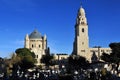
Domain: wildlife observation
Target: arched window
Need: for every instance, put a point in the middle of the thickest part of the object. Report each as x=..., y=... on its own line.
x=82, y=43
x=83, y=30
x=82, y=22
x=36, y=56
x=32, y=45
x=39, y=46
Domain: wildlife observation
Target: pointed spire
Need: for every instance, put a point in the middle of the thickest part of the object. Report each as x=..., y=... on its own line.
x=81, y=18
x=80, y=4
x=81, y=9
x=45, y=37
x=26, y=37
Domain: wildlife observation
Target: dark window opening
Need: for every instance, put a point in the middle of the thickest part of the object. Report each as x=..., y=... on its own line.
x=82, y=43
x=39, y=46
x=82, y=50
x=82, y=22
x=83, y=30
x=32, y=46
x=37, y=56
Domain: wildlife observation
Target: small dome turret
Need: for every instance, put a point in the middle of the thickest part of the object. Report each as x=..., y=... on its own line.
x=82, y=10
x=45, y=37
x=26, y=37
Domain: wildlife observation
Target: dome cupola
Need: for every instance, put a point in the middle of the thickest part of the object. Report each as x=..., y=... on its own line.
x=35, y=35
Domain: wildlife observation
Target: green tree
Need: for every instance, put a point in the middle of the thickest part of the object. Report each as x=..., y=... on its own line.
x=105, y=57
x=22, y=52
x=10, y=64
x=27, y=58
x=48, y=51
x=47, y=60
x=114, y=56
x=15, y=59
x=78, y=62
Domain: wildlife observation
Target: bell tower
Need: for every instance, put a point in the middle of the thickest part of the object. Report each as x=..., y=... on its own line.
x=81, y=41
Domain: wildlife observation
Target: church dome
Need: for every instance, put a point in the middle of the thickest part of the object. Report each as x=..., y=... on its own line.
x=82, y=10
x=35, y=35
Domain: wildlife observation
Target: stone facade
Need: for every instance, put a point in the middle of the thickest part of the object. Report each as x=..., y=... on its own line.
x=61, y=56
x=37, y=44
x=61, y=60
x=81, y=41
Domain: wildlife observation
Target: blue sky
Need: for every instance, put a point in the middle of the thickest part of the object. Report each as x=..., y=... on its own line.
x=56, y=19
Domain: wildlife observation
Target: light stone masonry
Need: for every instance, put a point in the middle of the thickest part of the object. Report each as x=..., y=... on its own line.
x=81, y=41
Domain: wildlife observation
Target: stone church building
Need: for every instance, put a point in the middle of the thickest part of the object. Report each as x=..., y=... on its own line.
x=37, y=44
x=81, y=40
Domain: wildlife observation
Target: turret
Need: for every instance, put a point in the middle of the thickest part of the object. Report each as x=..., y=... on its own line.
x=45, y=37
x=81, y=18
x=45, y=42
x=27, y=41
